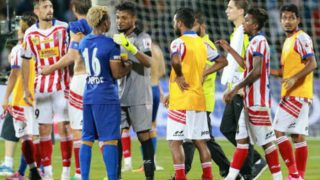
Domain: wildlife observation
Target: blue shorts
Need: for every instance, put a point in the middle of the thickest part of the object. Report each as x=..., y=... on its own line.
x=101, y=121
x=156, y=101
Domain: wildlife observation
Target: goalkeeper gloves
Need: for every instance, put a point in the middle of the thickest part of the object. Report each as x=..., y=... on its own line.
x=123, y=41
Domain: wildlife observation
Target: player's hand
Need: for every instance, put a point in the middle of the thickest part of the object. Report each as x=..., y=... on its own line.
x=165, y=101
x=204, y=77
x=224, y=44
x=124, y=42
x=289, y=82
x=5, y=104
x=183, y=85
x=227, y=97
x=46, y=70
x=28, y=97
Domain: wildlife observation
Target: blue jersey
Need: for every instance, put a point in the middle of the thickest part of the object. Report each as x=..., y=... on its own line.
x=80, y=26
x=97, y=52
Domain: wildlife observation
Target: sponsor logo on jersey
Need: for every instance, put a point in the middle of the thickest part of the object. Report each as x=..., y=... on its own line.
x=49, y=53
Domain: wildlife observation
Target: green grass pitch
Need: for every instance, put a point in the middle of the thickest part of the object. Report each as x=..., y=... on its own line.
x=164, y=159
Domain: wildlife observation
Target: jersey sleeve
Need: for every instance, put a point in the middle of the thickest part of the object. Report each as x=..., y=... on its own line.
x=143, y=43
x=177, y=47
x=303, y=46
x=15, y=58
x=115, y=53
x=259, y=45
x=25, y=50
x=213, y=54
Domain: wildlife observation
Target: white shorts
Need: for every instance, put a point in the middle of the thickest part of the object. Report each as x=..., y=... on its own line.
x=24, y=121
x=292, y=116
x=256, y=123
x=51, y=107
x=75, y=101
x=187, y=125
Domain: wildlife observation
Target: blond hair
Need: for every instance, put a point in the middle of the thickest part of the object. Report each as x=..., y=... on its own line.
x=96, y=15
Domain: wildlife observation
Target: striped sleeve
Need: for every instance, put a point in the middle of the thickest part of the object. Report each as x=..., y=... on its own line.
x=259, y=46
x=14, y=57
x=177, y=47
x=213, y=54
x=303, y=46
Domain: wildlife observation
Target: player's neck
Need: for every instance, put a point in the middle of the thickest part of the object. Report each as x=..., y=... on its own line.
x=238, y=22
x=129, y=31
x=81, y=16
x=45, y=24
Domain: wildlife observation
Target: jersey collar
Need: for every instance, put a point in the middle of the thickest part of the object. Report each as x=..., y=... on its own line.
x=53, y=23
x=259, y=33
x=189, y=32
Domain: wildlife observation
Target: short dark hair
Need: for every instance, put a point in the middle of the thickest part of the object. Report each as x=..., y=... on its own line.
x=81, y=6
x=198, y=15
x=186, y=16
x=291, y=8
x=260, y=16
x=27, y=20
x=127, y=6
x=241, y=4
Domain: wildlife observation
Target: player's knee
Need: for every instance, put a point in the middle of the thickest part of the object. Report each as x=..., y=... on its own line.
x=243, y=141
x=111, y=142
x=279, y=133
x=26, y=137
x=143, y=135
x=297, y=138
x=153, y=133
x=88, y=143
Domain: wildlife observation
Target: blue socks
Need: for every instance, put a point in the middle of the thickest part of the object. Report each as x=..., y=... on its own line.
x=85, y=161
x=110, y=157
x=22, y=166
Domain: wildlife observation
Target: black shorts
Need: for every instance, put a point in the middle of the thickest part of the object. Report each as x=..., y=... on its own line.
x=8, y=132
x=231, y=114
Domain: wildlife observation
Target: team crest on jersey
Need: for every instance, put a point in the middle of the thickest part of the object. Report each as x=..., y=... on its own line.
x=35, y=40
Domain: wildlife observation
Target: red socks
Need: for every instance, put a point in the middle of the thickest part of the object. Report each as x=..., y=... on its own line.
x=301, y=155
x=180, y=172
x=37, y=152
x=76, y=149
x=46, y=150
x=207, y=171
x=273, y=159
x=286, y=152
x=240, y=156
x=27, y=150
x=126, y=144
x=66, y=150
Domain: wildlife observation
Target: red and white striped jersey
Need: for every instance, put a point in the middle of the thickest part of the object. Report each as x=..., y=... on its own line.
x=258, y=93
x=47, y=46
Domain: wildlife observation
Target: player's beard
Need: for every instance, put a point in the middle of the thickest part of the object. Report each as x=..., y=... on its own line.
x=123, y=30
x=48, y=18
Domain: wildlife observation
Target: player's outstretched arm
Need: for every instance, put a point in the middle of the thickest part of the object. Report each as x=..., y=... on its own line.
x=120, y=68
x=67, y=59
x=225, y=45
x=220, y=63
x=310, y=65
x=123, y=41
x=253, y=75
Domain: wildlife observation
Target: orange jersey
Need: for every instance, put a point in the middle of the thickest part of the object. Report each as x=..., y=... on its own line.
x=16, y=63
x=193, y=52
x=295, y=50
